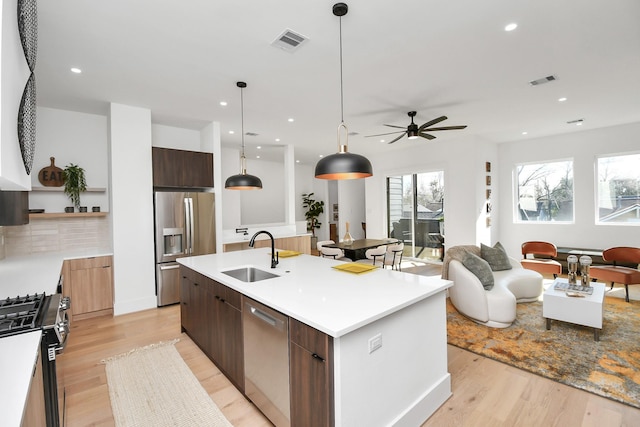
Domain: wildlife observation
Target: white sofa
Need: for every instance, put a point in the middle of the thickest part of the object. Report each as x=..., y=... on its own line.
x=496, y=307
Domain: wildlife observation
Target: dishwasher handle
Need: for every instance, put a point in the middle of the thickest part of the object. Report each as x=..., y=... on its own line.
x=267, y=318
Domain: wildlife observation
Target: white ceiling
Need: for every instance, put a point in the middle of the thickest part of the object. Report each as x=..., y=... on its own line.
x=453, y=58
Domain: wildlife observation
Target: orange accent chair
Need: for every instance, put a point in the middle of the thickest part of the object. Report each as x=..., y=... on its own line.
x=541, y=265
x=615, y=273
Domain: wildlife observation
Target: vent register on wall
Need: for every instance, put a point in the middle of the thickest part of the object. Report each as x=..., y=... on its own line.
x=184, y=214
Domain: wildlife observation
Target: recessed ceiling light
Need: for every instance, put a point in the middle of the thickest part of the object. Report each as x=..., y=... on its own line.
x=382, y=140
x=257, y=157
x=579, y=123
x=223, y=103
x=321, y=155
x=231, y=132
x=290, y=120
x=76, y=70
x=511, y=27
x=277, y=139
x=525, y=132
x=562, y=99
x=259, y=147
x=297, y=161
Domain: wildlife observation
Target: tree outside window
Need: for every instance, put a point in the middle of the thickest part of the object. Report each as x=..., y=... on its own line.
x=545, y=192
x=618, y=191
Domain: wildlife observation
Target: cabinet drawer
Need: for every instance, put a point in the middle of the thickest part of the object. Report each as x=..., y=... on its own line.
x=309, y=338
x=93, y=262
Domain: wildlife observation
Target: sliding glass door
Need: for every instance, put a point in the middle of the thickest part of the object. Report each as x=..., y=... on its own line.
x=415, y=213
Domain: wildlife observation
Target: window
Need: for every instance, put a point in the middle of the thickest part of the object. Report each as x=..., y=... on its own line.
x=414, y=210
x=618, y=190
x=544, y=192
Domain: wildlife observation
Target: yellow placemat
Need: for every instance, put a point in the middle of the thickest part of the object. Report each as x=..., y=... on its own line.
x=355, y=267
x=285, y=254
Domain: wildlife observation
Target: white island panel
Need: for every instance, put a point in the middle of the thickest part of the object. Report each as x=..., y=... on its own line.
x=405, y=380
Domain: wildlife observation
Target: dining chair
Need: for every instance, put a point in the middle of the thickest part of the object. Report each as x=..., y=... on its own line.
x=541, y=265
x=323, y=243
x=394, y=256
x=615, y=273
x=335, y=253
x=375, y=256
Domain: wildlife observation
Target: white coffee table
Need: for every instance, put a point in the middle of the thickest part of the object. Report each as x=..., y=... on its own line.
x=585, y=311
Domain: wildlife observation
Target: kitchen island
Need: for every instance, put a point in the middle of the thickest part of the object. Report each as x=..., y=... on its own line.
x=386, y=329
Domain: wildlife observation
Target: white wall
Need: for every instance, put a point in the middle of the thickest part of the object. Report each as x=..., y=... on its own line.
x=351, y=207
x=583, y=147
x=77, y=138
x=177, y=138
x=131, y=182
x=266, y=206
x=14, y=73
x=463, y=162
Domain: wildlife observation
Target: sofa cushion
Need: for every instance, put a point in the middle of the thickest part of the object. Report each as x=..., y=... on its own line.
x=496, y=256
x=480, y=268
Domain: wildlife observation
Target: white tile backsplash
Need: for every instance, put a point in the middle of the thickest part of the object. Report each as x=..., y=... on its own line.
x=56, y=235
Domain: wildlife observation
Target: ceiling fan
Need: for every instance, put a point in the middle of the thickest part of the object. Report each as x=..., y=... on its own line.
x=413, y=131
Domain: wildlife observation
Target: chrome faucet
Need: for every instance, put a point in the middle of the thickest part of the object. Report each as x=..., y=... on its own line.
x=274, y=258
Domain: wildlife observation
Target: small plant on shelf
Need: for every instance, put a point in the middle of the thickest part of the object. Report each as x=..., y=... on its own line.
x=74, y=183
x=314, y=209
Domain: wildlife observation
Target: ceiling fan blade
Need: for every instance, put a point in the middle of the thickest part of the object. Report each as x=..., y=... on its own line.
x=399, y=127
x=426, y=135
x=445, y=128
x=432, y=122
x=391, y=142
x=382, y=134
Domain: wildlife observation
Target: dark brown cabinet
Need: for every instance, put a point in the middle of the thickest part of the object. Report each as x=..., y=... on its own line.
x=181, y=168
x=311, y=373
x=211, y=315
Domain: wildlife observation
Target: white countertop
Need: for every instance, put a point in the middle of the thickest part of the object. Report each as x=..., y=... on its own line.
x=15, y=372
x=309, y=290
x=38, y=272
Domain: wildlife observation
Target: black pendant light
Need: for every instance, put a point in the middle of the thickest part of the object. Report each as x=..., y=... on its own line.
x=343, y=165
x=243, y=181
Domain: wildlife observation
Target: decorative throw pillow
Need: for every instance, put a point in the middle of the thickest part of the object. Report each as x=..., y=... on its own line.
x=496, y=256
x=480, y=268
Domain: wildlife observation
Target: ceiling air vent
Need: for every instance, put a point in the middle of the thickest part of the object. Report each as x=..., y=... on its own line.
x=575, y=122
x=289, y=40
x=251, y=134
x=542, y=80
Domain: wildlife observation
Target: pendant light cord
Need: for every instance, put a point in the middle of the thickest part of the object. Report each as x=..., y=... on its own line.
x=341, y=83
x=242, y=118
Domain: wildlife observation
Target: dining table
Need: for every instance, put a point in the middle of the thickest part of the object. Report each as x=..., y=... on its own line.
x=357, y=248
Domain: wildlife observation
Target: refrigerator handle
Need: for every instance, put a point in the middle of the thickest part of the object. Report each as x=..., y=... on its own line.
x=187, y=226
x=189, y=222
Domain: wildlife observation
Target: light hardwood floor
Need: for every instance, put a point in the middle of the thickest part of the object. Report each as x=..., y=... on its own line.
x=485, y=392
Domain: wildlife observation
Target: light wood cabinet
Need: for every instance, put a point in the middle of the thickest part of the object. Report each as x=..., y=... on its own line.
x=34, y=411
x=311, y=373
x=89, y=284
x=300, y=244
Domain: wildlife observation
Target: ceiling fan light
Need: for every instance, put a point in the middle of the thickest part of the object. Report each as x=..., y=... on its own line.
x=412, y=133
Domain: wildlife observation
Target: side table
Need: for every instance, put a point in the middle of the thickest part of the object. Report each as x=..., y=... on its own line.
x=586, y=310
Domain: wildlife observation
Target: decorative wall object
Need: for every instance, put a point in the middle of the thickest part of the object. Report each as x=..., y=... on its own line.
x=51, y=176
x=487, y=166
x=487, y=169
x=28, y=29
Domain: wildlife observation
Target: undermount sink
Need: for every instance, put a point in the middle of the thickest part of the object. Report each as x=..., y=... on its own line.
x=250, y=274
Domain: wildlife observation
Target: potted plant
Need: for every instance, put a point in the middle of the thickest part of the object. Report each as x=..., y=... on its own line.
x=74, y=183
x=314, y=209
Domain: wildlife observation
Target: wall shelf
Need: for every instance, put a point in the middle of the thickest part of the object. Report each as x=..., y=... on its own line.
x=66, y=215
x=61, y=189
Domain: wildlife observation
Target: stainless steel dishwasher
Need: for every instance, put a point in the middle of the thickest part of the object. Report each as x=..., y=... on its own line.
x=266, y=360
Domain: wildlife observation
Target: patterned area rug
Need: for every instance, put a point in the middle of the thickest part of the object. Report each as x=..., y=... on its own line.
x=567, y=353
x=153, y=386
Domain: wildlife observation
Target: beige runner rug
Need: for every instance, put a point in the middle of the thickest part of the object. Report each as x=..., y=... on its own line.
x=153, y=386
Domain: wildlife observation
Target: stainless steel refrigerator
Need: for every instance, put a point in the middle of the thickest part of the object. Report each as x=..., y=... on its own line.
x=184, y=226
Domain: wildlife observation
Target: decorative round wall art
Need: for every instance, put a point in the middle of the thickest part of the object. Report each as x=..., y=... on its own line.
x=27, y=123
x=28, y=29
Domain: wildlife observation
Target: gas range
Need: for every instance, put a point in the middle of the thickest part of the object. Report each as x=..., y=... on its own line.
x=28, y=313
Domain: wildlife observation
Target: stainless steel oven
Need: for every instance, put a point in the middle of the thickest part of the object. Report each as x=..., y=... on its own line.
x=47, y=312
